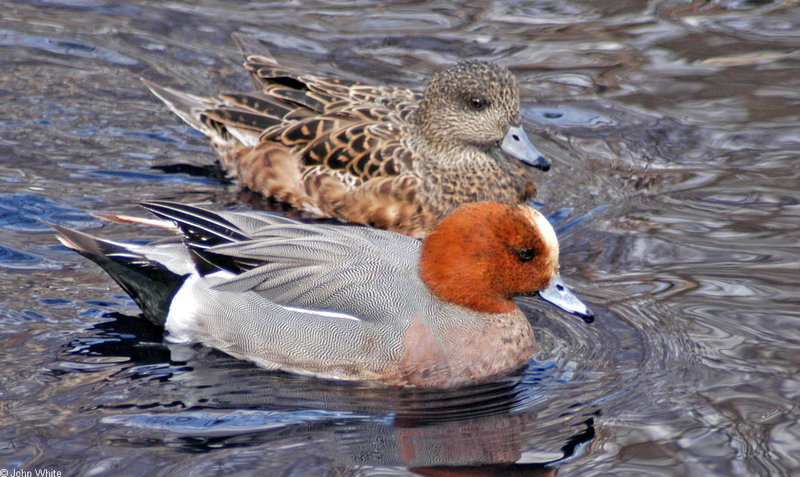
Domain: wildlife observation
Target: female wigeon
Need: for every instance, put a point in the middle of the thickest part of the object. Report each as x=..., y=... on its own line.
x=383, y=156
x=345, y=302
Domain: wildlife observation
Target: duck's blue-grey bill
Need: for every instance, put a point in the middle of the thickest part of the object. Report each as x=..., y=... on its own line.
x=559, y=295
x=518, y=145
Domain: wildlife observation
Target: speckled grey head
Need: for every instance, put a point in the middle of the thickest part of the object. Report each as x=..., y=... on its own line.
x=473, y=101
x=476, y=102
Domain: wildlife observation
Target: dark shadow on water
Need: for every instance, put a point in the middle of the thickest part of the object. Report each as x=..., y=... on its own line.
x=131, y=337
x=213, y=171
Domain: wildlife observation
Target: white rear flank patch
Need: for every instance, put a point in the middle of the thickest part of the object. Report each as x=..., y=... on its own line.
x=181, y=323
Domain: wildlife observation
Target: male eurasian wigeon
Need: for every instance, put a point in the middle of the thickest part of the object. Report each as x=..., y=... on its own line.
x=384, y=156
x=345, y=301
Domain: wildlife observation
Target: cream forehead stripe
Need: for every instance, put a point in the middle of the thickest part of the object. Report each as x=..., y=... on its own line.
x=540, y=222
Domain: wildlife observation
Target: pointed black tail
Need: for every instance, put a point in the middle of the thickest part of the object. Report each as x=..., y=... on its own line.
x=151, y=285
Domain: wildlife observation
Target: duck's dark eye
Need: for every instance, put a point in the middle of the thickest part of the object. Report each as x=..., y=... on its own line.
x=526, y=254
x=477, y=103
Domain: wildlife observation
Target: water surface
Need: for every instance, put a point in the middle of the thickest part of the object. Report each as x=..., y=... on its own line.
x=674, y=130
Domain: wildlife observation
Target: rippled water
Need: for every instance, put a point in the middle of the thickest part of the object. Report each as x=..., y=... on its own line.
x=674, y=128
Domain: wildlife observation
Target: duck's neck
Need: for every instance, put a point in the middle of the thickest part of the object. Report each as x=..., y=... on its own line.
x=452, y=174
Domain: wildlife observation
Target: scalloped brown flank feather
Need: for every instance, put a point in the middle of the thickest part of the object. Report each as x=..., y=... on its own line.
x=383, y=156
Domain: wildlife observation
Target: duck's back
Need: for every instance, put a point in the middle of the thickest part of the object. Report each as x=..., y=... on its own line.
x=369, y=273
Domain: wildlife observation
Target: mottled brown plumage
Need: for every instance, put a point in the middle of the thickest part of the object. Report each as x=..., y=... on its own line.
x=383, y=156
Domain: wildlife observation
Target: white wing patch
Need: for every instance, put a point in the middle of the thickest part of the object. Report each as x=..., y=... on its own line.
x=246, y=138
x=329, y=314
